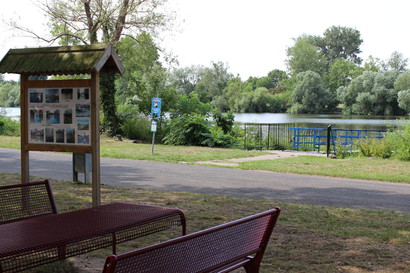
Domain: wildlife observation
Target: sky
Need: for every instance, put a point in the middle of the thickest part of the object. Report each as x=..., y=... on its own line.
x=251, y=37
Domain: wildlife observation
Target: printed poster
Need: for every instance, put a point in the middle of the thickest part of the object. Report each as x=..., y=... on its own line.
x=59, y=115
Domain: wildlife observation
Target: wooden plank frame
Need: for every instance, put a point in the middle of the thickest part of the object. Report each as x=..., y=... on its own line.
x=93, y=148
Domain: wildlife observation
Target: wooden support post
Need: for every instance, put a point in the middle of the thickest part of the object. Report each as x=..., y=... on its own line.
x=95, y=139
x=25, y=170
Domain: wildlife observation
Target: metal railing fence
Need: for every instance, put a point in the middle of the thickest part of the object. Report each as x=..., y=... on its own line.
x=267, y=136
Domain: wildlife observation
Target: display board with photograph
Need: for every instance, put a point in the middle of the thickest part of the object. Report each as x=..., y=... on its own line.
x=59, y=115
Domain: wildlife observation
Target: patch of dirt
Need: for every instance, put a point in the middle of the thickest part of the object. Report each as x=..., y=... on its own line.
x=88, y=264
x=233, y=162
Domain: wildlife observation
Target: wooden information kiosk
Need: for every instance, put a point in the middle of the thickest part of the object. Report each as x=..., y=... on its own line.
x=61, y=115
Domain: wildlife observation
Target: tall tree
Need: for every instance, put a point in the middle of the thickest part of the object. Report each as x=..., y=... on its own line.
x=139, y=57
x=272, y=80
x=402, y=82
x=213, y=80
x=373, y=64
x=185, y=79
x=106, y=21
x=372, y=93
x=341, y=42
x=310, y=96
x=341, y=72
x=9, y=94
x=144, y=78
x=404, y=100
x=396, y=62
x=305, y=56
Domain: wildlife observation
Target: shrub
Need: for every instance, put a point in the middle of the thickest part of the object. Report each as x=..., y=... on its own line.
x=343, y=151
x=9, y=127
x=187, y=130
x=400, y=141
x=217, y=138
x=137, y=128
x=373, y=147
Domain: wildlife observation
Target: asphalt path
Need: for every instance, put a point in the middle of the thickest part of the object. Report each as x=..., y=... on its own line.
x=306, y=189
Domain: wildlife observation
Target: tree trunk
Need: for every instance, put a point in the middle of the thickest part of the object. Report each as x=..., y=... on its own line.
x=107, y=95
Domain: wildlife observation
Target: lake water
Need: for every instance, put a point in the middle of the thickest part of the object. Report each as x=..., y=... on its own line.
x=306, y=121
x=323, y=121
x=14, y=113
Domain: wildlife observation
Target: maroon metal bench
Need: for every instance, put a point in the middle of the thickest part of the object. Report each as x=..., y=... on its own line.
x=23, y=201
x=236, y=244
x=33, y=233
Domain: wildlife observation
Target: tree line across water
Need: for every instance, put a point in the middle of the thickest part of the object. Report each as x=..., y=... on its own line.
x=324, y=75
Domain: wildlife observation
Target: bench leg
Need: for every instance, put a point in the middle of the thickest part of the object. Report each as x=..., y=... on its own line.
x=114, y=243
x=254, y=264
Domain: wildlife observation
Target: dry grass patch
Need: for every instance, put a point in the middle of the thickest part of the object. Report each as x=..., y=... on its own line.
x=307, y=238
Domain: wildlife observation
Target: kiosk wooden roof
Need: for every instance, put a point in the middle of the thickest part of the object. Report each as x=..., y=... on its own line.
x=62, y=60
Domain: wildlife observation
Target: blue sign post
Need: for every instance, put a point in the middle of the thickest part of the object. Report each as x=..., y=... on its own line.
x=156, y=108
x=155, y=113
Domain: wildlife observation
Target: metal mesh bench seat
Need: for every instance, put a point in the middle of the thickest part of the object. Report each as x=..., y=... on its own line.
x=236, y=244
x=47, y=237
x=24, y=201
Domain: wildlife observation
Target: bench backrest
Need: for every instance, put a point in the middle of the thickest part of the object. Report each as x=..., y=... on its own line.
x=26, y=200
x=203, y=251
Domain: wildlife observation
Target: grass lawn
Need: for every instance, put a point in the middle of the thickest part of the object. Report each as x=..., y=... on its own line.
x=307, y=238
x=358, y=168
x=164, y=153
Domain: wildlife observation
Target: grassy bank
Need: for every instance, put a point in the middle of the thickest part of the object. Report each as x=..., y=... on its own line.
x=164, y=153
x=307, y=238
x=359, y=168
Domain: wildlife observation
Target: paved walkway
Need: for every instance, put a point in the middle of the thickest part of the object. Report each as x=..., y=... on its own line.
x=307, y=189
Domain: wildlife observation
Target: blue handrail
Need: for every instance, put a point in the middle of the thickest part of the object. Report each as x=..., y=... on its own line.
x=314, y=138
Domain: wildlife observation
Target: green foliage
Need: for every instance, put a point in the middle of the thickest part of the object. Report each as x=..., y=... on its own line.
x=400, y=141
x=372, y=93
x=212, y=81
x=341, y=42
x=305, y=56
x=9, y=127
x=189, y=124
x=137, y=128
x=396, y=144
x=9, y=94
x=259, y=101
x=396, y=62
x=231, y=94
x=110, y=122
x=225, y=122
x=372, y=64
x=184, y=79
x=310, y=96
x=403, y=98
x=218, y=138
x=402, y=82
x=376, y=148
x=145, y=78
x=189, y=104
x=342, y=151
x=187, y=130
x=341, y=72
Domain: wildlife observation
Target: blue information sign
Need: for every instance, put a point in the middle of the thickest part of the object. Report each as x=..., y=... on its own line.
x=156, y=107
